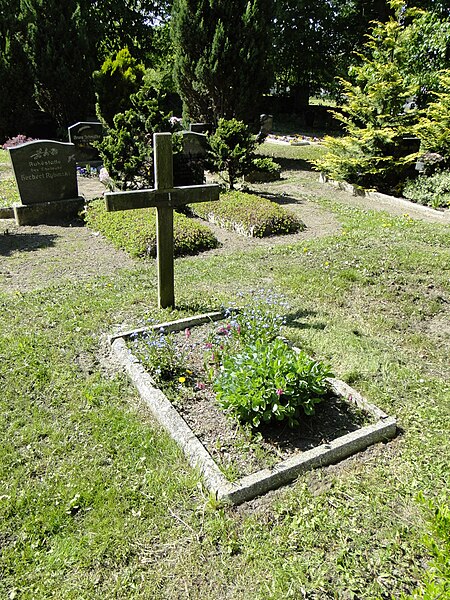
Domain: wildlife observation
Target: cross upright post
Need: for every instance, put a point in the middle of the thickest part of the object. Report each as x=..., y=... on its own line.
x=164, y=197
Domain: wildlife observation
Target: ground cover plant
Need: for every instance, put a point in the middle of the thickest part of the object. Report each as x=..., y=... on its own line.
x=96, y=501
x=432, y=190
x=248, y=214
x=135, y=231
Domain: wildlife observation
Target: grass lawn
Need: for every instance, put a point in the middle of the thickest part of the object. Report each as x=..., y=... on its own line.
x=97, y=502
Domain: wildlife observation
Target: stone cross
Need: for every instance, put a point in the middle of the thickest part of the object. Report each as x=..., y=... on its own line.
x=165, y=197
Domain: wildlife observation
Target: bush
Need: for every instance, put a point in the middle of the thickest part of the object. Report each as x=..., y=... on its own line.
x=135, y=231
x=118, y=79
x=264, y=169
x=270, y=382
x=249, y=215
x=126, y=149
x=232, y=148
x=432, y=191
x=434, y=128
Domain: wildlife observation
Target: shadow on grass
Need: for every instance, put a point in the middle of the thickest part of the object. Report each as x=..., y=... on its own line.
x=277, y=198
x=291, y=164
x=25, y=242
x=297, y=320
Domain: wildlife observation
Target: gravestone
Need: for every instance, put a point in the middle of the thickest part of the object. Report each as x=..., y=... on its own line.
x=201, y=127
x=165, y=197
x=266, y=124
x=82, y=135
x=46, y=176
x=189, y=165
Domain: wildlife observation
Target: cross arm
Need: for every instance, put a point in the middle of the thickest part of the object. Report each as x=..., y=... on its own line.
x=153, y=198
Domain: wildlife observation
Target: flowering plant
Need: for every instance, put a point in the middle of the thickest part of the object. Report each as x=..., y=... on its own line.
x=257, y=377
x=158, y=352
x=267, y=382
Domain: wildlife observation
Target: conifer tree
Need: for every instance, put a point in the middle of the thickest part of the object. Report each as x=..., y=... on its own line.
x=221, y=56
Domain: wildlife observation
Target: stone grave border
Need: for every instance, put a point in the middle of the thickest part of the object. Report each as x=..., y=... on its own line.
x=358, y=191
x=262, y=481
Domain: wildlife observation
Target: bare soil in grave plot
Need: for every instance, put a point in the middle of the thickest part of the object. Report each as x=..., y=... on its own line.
x=34, y=257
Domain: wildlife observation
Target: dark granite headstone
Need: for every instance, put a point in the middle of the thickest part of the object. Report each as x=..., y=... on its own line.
x=189, y=166
x=83, y=134
x=201, y=127
x=45, y=171
x=194, y=144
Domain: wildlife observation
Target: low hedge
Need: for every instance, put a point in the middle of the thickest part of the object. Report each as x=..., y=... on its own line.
x=135, y=230
x=249, y=215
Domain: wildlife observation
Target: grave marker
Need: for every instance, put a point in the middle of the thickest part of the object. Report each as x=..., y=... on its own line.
x=46, y=176
x=165, y=197
x=83, y=134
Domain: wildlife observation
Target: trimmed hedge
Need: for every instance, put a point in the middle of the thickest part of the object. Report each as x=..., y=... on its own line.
x=249, y=215
x=135, y=230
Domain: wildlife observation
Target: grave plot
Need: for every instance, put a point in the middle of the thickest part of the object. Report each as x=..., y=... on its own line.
x=345, y=423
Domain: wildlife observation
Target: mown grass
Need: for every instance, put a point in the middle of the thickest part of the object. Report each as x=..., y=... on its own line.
x=97, y=502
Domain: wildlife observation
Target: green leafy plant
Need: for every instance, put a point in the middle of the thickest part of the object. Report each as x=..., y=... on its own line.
x=268, y=382
x=118, y=79
x=373, y=153
x=249, y=214
x=135, y=231
x=264, y=169
x=257, y=377
x=433, y=190
x=232, y=148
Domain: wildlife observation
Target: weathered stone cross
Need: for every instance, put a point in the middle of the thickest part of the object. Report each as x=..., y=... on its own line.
x=165, y=198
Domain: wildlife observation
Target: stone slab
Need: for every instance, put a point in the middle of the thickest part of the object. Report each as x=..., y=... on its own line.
x=262, y=481
x=48, y=213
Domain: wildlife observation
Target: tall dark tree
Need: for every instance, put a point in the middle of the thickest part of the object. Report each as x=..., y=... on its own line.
x=63, y=59
x=314, y=41
x=221, y=56
x=16, y=101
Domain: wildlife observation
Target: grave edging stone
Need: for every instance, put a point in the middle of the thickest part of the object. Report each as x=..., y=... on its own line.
x=358, y=191
x=262, y=481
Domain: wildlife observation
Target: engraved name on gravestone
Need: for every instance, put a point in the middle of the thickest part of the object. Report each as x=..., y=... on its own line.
x=45, y=171
x=83, y=134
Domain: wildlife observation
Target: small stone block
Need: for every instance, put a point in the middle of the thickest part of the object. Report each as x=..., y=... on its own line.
x=49, y=213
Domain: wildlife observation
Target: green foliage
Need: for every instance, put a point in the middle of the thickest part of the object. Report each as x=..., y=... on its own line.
x=232, y=148
x=157, y=351
x=15, y=73
x=126, y=149
x=118, y=79
x=221, y=56
x=374, y=117
x=433, y=128
x=135, y=231
x=257, y=377
x=267, y=382
x=61, y=50
x=306, y=31
x=264, y=169
x=436, y=582
x=433, y=190
x=248, y=214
